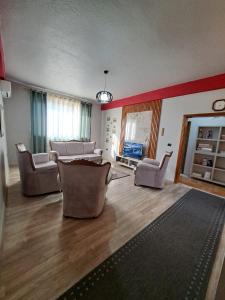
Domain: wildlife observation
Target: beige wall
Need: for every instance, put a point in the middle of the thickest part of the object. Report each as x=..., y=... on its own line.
x=17, y=118
x=3, y=173
x=17, y=111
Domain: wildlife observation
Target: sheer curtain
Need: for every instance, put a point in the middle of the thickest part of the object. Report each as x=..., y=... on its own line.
x=63, y=118
x=85, y=122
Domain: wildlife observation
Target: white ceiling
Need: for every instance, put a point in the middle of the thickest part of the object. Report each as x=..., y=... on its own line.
x=145, y=44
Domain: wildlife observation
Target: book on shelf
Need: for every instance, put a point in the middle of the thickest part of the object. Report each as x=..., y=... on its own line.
x=205, y=149
x=195, y=174
x=204, y=145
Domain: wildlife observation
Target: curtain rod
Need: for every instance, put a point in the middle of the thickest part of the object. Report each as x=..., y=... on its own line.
x=43, y=89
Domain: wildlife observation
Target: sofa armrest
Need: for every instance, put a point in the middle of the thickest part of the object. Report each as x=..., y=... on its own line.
x=98, y=151
x=54, y=155
x=151, y=161
x=40, y=158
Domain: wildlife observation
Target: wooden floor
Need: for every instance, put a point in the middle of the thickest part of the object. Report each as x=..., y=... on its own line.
x=202, y=185
x=44, y=254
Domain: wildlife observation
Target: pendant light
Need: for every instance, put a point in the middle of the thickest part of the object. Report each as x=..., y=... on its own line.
x=103, y=97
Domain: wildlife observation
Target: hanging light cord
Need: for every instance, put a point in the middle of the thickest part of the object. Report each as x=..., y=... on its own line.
x=105, y=83
x=105, y=72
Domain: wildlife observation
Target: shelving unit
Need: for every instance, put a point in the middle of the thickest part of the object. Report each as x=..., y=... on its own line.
x=209, y=156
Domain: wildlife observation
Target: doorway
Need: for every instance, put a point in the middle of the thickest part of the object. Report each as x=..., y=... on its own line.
x=201, y=157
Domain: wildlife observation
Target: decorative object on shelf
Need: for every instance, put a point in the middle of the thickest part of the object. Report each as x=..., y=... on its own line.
x=200, y=134
x=104, y=96
x=209, y=162
x=207, y=175
x=209, y=134
x=219, y=105
x=204, y=162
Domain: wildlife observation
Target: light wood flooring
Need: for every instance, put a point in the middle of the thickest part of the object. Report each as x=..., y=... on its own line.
x=44, y=254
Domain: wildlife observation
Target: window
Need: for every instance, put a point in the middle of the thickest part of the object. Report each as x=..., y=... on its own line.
x=63, y=118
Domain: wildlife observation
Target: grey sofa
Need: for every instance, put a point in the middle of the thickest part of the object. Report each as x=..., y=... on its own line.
x=84, y=186
x=71, y=150
x=38, y=174
x=151, y=172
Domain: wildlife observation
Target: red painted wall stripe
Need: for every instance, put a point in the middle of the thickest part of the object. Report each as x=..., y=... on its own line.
x=191, y=87
x=2, y=64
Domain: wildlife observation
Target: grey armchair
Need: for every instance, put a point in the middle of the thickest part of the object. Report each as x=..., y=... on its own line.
x=38, y=174
x=151, y=172
x=84, y=185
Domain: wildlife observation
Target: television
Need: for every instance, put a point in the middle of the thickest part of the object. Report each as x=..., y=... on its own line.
x=134, y=150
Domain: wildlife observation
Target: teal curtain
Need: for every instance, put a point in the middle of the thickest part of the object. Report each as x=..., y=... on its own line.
x=38, y=121
x=85, y=121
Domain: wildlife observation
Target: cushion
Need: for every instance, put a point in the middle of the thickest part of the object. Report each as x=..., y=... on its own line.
x=69, y=157
x=48, y=165
x=92, y=157
x=60, y=147
x=89, y=147
x=39, y=158
x=74, y=148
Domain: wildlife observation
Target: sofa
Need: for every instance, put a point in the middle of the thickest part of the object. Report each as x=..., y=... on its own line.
x=84, y=185
x=73, y=150
x=38, y=174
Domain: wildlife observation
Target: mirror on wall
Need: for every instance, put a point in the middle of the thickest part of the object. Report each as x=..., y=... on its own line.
x=138, y=128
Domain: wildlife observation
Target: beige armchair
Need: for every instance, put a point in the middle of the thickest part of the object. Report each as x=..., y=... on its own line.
x=151, y=172
x=84, y=185
x=38, y=174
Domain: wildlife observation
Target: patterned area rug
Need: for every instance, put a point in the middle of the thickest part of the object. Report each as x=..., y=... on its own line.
x=116, y=174
x=169, y=259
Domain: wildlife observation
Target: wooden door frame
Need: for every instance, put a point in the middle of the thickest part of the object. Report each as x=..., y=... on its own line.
x=183, y=138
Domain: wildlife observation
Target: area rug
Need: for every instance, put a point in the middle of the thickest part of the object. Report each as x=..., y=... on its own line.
x=116, y=174
x=169, y=259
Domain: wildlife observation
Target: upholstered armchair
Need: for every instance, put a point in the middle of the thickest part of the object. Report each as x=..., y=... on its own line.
x=151, y=172
x=84, y=185
x=38, y=174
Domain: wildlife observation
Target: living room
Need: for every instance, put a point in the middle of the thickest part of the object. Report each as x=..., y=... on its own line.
x=112, y=142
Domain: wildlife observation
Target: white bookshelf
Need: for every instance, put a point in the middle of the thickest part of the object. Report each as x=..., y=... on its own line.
x=209, y=155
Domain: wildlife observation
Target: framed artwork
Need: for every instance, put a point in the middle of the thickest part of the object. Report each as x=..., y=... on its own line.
x=1, y=121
